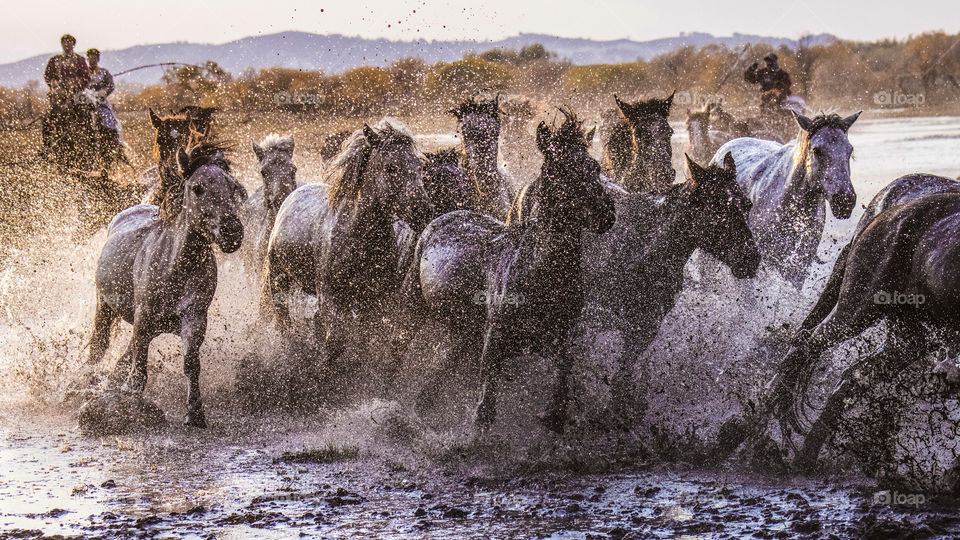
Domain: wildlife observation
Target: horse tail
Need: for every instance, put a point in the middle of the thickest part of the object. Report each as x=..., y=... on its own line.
x=831, y=292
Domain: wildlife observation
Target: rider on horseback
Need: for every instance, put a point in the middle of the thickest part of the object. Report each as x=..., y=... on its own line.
x=774, y=84
x=108, y=127
x=67, y=75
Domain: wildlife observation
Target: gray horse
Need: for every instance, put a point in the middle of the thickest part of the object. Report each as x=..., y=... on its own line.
x=790, y=185
x=279, y=174
x=158, y=272
x=339, y=241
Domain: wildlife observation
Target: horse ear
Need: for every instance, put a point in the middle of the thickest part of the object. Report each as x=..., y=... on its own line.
x=371, y=135
x=804, y=122
x=155, y=120
x=696, y=171
x=183, y=160
x=588, y=136
x=624, y=107
x=257, y=150
x=543, y=137
x=669, y=100
x=729, y=164
x=456, y=112
x=848, y=121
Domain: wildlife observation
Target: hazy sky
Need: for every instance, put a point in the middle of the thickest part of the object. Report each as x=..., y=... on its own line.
x=29, y=27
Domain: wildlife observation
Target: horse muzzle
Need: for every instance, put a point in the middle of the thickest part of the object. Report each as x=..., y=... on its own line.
x=230, y=234
x=842, y=204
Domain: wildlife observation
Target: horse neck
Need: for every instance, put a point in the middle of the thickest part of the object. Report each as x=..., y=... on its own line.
x=677, y=239
x=182, y=244
x=480, y=158
x=797, y=197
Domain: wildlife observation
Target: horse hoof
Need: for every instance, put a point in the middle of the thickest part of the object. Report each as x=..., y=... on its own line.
x=195, y=419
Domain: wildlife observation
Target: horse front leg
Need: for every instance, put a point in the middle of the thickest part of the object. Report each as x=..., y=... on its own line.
x=137, y=357
x=556, y=415
x=905, y=345
x=192, y=332
x=491, y=360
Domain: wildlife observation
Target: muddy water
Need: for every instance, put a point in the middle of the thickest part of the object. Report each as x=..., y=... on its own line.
x=374, y=468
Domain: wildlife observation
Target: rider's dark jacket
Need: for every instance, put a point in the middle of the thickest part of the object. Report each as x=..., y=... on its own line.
x=67, y=73
x=774, y=83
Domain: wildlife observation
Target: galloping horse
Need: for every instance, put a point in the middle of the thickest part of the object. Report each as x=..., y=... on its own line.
x=339, y=241
x=279, y=174
x=157, y=270
x=635, y=271
x=465, y=253
x=638, y=153
x=480, y=134
x=909, y=249
x=791, y=184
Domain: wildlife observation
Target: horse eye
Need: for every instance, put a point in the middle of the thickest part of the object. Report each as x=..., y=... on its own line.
x=198, y=190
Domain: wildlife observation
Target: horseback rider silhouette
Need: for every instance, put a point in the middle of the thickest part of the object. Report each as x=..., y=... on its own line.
x=108, y=126
x=774, y=84
x=67, y=75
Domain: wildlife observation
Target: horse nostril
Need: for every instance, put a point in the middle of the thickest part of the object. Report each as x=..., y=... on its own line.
x=231, y=234
x=842, y=204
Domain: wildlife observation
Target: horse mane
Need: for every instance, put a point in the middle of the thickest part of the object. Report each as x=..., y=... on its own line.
x=275, y=142
x=173, y=182
x=488, y=107
x=821, y=121
x=446, y=156
x=345, y=172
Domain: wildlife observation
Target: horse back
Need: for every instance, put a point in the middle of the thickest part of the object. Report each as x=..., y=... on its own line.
x=760, y=163
x=903, y=190
x=292, y=245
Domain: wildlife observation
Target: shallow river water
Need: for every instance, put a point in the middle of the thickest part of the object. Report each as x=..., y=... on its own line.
x=363, y=465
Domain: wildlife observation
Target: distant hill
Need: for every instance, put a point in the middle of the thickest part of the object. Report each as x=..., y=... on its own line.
x=335, y=53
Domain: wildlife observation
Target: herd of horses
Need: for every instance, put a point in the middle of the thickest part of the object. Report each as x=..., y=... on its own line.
x=398, y=236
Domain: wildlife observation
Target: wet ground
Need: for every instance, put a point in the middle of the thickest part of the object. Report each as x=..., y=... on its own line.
x=253, y=478
x=356, y=470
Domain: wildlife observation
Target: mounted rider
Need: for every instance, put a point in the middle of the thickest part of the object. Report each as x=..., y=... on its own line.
x=98, y=89
x=67, y=75
x=774, y=84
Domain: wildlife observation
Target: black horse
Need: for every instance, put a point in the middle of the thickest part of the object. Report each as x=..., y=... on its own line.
x=467, y=264
x=448, y=186
x=638, y=153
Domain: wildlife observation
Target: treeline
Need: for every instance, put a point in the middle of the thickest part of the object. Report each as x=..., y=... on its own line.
x=885, y=73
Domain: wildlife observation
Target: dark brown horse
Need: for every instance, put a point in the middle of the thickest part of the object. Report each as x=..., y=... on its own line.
x=469, y=265
x=189, y=127
x=638, y=154
x=900, y=269
x=448, y=186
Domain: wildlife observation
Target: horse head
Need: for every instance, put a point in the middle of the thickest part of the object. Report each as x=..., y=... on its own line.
x=825, y=153
x=651, y=129
x=188, y=127
x=394, y=171
x=718, y=210
x=279, y=173
x=571, y=188
x=479, y=122
x=211, y=196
